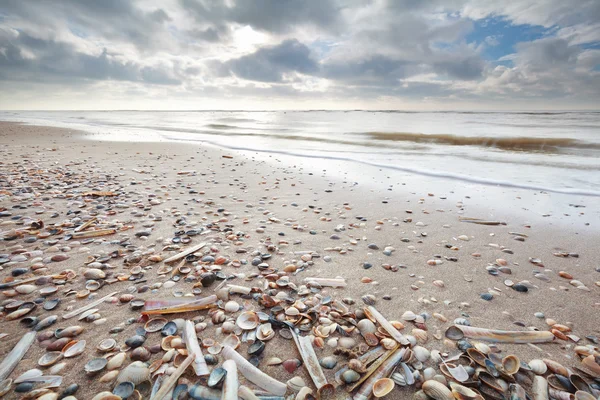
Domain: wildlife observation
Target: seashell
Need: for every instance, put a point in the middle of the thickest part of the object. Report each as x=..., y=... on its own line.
x=136, y=372
x=371, y=339
x=556, y=367
x=421, y=353
x=296, y=383
x=247, y=320
x=538, y=367
x=420, y=334
x=328, y=362
x=591, y=363
x=51, y=304
x=461, y=392
x=232, y=341
x=216, y=377
x=291, y=365
x=124, y=389
x=256, y=348
x=57, y=368
x=273, y=361
x=74, y=348
x=94, y=273
x=454, y=333
x=398, y=378
x=116, y=361
x=483, y=348
x=169, y=329
x=71, y=331
x=365, y=326
x=107, y=345
x=350, y=376
x=95, y=365
x=437, y=390
x=511, y=364
x=49, y=358
x=155, y=324
x=106, y=396
x=265, y=332
x=581, y=395
x=109, y=376
x=92, y=285
x=140, y=354
x=232, y=306
x=382, y=387
x=25, y=289
x=579, y=383
x=409, y=316
x=388, y=343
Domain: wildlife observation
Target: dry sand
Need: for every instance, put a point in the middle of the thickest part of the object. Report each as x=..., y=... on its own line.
x=255, y=194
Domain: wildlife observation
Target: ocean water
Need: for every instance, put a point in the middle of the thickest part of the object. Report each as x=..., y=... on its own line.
x=541, y=151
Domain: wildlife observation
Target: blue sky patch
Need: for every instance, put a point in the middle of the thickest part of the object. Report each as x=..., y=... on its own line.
x=500, y=36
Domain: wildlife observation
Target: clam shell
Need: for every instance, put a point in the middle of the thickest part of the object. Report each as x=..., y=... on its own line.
x=461, y=392
x=421, y=353
x=107, y=345
x=581, y=395
x=366, y=326
x=94, y=273
x=109, y=376
x=538, y=367
x=74, y=348
x=511, y=364
x=95, y=365
x=124, y=389
x=49, y=358
x=136, y=372
x=437, y=390
x=247, y=320
x=106, y=396
x=25, y=376
x=116, y=361
x=382, y=387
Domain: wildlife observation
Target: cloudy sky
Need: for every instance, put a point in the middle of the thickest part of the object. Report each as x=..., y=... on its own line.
x=299, y=54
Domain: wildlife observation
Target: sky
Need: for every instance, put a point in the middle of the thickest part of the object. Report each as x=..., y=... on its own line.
x=300, y=54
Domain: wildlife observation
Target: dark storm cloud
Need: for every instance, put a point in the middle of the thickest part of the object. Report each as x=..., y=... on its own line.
x=269, y=64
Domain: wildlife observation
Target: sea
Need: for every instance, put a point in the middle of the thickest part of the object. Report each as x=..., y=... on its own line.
x=538, y=151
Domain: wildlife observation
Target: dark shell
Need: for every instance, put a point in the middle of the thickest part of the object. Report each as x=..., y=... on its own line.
x=135, y=341
x=216, y=378
x=95, y=365
x=169, y=329
x=207, y=279
x=51, y=304
x=124, y=389
x=256, y=348
x=520, y=288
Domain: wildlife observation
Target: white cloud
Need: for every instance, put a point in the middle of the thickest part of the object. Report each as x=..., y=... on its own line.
x=274, y=52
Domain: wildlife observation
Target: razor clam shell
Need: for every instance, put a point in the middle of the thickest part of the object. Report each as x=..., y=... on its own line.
x=16, y=354
x=498, y=336
x=254, y=374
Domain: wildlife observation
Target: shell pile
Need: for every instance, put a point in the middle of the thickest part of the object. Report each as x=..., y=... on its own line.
x=199, y=328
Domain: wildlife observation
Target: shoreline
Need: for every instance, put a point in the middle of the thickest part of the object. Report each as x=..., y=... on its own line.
x=322, y=203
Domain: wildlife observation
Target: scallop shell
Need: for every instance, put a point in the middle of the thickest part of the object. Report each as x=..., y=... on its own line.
x=420, y=334
x=538, y=367
x=437, y=390
x=247, y=320
x=383, y=386
x=136, y=372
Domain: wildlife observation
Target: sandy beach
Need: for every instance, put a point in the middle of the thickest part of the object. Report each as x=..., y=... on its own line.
x=263, y=222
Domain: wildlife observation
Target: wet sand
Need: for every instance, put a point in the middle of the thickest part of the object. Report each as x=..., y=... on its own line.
x=252, y=203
